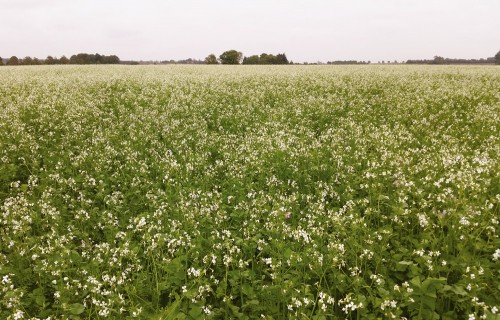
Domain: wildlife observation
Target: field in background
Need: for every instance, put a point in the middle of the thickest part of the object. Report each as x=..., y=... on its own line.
x=308, y=192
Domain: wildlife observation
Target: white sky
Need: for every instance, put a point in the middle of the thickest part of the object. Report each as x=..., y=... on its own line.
x=313, y=30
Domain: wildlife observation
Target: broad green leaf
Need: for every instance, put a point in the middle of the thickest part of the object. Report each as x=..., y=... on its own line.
x=77, y=308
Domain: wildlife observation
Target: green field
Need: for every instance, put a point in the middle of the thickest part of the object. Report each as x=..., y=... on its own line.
x=294, y=192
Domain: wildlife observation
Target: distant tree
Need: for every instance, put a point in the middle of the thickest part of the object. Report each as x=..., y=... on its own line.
x=63, y=60
x=81, y=58
x=13, y=61
x=36, y=62
x=281, y=59
x=110, y=59
x=114, y=59
x=231, y=57
x=85, y=58
x=74, y=59
x=439, y=60
x=497, y=58
x=265, y=58
x=26, y=61
x=251, y=60
x=50, y=60
x=1, y=61
x=211, y=59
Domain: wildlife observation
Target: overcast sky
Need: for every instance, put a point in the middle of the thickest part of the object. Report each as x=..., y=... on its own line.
x=313, y=30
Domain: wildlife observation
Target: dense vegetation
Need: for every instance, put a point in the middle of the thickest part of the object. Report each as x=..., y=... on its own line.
x=263, y=192
x=81, y=58
x=442, y=60
x=266, y=58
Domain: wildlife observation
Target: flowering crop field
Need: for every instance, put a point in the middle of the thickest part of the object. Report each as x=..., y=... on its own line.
x=294, y=192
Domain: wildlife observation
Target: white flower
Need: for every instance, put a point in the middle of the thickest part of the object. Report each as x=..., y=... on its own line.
x=496, y=255
x=206, y=310
x=18, y=315
x=422, y=220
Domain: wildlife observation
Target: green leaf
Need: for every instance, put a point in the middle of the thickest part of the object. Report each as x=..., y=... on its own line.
x=247, y=290
x=429, y=302
x=39, y=296
x=171, y=311
x=456, y=289
x=416, y=282
x=288, y=253
x=40, y=300
x=383, y=292
x=195, y=312
x=450, y=315
x=491, y=316
x=382, y=197
x=430, y=285
x=76, y=308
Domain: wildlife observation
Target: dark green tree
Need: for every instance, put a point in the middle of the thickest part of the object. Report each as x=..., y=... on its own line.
x=266, y=58
x=231, y=57
x=109, y=59
x=211, y=59
x=1, y=61
x=251, y=60
x=26, y=61
x=50, y=60
x=13, y=61
x=63, y=60
x=281, y=59
x=439, y=60
x=85, y=58
x=497, y=58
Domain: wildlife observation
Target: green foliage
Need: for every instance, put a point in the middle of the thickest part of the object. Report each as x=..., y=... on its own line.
x=50, y=60
x=13, y=61
x=439, y=60
x=26, y=61
x=231, y=57
x=81, y=58
x=187, y=192
x=63, y=60
x=266, y=59
x=86, y=58
x=211, y=59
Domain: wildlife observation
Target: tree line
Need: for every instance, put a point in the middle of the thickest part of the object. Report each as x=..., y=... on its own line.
x=227, y=57
x=236, y=57
x=341, y=62
x=442, y=60
x=80, y=58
